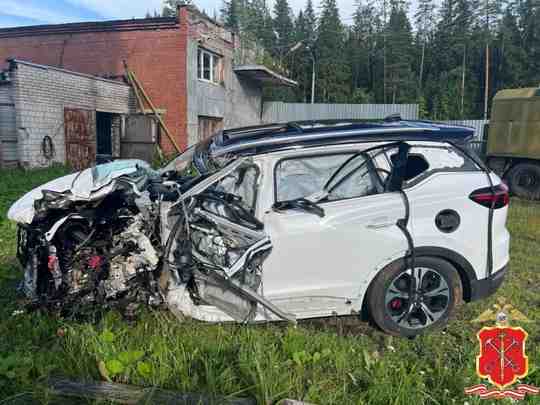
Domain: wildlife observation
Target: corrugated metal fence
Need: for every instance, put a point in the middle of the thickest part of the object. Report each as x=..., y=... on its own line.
x=277, y=111
x=478, y=144
x=478, y=125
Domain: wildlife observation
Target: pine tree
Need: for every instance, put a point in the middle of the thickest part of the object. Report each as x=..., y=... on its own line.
x=257, y=22
x=310, y=24
x=302, y=59
x=401, y=83
x=425, y=22
x=283, y=27
x=230, y=14
x=509, y=57
x=334, y=76
x=488, y=14
x=362, y=50
x=529, y=24
x=299, y=62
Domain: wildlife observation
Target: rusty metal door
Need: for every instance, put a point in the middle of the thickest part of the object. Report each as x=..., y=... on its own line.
x=139, y=138
x=80, y=137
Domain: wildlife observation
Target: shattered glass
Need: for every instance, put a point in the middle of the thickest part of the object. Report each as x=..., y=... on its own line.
x=307, y=176
x=301, y=177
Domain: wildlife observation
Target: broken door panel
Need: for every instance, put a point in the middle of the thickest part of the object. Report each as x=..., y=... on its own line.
x=80, y=137
x=218, y=260
x=218, y=248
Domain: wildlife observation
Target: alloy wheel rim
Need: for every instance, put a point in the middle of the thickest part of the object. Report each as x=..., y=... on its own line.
x=427, y=304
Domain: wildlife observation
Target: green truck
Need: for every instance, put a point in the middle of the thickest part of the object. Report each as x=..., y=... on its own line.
x=513, y=142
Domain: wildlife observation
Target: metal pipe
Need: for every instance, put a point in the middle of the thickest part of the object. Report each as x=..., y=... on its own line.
x=312, y=78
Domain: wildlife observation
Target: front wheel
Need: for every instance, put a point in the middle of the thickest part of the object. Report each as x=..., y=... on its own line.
x=403, y=302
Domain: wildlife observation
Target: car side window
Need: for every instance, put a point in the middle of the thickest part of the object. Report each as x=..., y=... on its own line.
x=305, y=176
x=242, y=183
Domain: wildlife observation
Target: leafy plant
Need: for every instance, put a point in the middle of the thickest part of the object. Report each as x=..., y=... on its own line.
x=117, y=364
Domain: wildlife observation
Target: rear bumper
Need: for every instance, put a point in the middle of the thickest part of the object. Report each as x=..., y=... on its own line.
x=487, y=286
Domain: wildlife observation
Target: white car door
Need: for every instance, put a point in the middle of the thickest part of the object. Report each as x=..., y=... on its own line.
x=322, y=265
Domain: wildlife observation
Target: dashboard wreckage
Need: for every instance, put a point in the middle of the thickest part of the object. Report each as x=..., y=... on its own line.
x=342, y=217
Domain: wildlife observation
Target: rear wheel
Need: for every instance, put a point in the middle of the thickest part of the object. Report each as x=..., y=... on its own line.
x=524, y=180
x=407, y=303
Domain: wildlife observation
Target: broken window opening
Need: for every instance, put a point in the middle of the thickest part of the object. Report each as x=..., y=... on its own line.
x=426, y=160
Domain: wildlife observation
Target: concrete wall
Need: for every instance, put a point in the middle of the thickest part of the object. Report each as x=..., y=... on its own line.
x=8, y=131
x=237, y=101
x=40, y=95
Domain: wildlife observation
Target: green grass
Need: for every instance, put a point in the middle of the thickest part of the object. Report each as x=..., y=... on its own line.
x=332, y=363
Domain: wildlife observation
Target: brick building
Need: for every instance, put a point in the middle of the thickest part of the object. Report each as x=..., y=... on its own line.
x=195, y=71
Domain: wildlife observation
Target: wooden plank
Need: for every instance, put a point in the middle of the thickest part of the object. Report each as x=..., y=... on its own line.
x=130, y=394
x=140, y=103
x=160, y=111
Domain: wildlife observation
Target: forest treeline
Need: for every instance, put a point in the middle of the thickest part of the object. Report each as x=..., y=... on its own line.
x=383, y=54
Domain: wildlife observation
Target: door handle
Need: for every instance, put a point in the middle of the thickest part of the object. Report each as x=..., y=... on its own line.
x=381, y=222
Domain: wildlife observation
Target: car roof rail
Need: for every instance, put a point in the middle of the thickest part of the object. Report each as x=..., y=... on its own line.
x=255, y=131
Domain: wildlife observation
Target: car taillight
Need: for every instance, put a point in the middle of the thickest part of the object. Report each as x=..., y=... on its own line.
x=497, y=198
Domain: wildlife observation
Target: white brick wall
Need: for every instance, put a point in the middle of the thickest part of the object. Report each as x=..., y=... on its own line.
x=8, y=132
x=40, y=95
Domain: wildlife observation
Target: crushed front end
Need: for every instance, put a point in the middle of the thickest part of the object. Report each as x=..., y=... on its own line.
x=121, y=233
x=95, y=250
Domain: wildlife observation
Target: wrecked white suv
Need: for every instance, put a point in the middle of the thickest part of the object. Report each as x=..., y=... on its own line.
x=393, y=220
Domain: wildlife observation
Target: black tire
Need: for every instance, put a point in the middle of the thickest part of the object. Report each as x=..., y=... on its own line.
x=380, y=309
x=524, y=180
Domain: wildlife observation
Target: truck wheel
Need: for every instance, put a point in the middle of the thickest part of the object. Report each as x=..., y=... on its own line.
x=524, y=180
x=432, y=304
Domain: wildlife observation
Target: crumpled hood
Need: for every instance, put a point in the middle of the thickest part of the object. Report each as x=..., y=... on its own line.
x=86, y=185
